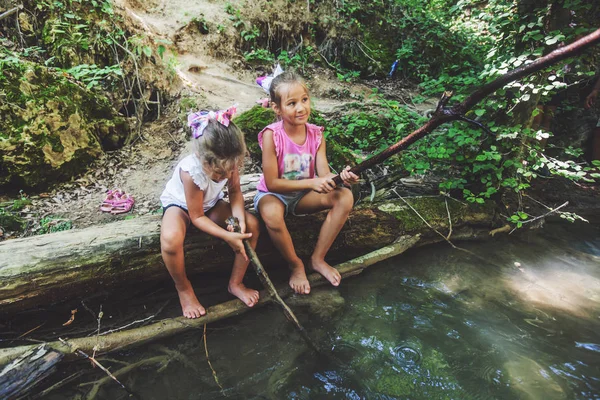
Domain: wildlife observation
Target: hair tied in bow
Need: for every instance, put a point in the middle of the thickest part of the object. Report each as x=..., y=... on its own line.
x=198, y=121
x=265, y=81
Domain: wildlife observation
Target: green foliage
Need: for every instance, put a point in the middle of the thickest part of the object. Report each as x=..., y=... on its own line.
x=10, y=218
x=92, y=75
x=251, y=123
x=52, y=224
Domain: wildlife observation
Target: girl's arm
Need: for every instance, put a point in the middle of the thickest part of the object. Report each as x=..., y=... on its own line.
x=278, y=185
x=194, y=198
x=589, y=100
x=236, y=199
x=322, y=166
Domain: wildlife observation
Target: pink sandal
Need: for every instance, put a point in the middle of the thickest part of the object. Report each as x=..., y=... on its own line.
x=117, y=202
x=112, y=196
x=125, y=204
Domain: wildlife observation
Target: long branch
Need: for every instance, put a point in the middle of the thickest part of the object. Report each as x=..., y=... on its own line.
x=268, y=285
x=443, y=114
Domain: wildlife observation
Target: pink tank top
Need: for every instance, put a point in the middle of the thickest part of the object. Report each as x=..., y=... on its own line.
x=293, y=161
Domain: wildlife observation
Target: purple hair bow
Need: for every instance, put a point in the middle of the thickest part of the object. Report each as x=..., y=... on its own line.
x=199, y=120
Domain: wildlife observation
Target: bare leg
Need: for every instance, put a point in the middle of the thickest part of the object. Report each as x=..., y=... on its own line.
x=172, y=234
x=219, y=213
x=272, y=209
x=340, y=202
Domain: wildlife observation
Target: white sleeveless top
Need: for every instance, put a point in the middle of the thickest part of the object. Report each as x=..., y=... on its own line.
x=174, y=193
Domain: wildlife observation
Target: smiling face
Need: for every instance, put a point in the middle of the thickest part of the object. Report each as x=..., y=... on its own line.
x=294, y=107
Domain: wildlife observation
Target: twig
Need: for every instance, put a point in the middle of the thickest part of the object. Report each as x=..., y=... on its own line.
x=128, y=367
x=139, y=321
x=57, y=385
x=95, y=362
x=31, y=330
x=18, y=25
x=100, y=315
x=425, y=221
x=11, y=11
x=364, y=52
x=328, y=63
x=449, y=220
x=214, y=373
x=543, y=215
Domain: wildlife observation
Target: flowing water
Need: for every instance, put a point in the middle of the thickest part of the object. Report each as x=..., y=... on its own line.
x=519, y=321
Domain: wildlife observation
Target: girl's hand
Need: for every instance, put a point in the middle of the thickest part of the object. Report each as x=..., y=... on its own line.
x=242, y=224
x=323, y=185
x=349, y=178
x=235, y=241
x=589, y=101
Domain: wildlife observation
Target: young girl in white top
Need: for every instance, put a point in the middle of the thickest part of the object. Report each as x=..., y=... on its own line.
x=194, y=195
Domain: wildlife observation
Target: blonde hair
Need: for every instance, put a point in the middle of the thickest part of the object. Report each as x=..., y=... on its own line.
x=282, y=80
x=220, y=148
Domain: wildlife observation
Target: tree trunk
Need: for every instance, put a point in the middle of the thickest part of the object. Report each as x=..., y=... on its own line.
x=57, y=266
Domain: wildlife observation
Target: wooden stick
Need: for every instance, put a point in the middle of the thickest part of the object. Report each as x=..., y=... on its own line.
x=443, y=114
x=268, y=285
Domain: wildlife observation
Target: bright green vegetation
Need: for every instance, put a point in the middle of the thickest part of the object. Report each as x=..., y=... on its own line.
x=455, y=46
x=66, y=94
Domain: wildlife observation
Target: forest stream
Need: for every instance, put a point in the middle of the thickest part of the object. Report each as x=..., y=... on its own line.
x=433, y=323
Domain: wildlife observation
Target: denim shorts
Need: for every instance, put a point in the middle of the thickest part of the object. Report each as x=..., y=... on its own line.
x=289, y=200
x=174, y=205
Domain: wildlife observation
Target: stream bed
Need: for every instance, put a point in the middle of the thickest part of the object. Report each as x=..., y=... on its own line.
x=517, y=318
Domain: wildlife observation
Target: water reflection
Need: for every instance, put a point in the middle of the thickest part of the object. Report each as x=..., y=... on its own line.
x=432, y=324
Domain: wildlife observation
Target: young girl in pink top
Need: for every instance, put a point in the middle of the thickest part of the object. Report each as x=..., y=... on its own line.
x=296, y=179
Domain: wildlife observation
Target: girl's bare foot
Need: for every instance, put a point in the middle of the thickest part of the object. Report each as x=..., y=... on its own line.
x=328, y=272
x=189, y=302
x=298, y=281
x=248, y=296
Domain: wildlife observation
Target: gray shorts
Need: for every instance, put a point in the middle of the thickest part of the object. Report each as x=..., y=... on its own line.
x=289, y=200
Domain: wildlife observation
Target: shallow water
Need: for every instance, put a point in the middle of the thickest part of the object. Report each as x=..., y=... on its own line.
x=518, y=320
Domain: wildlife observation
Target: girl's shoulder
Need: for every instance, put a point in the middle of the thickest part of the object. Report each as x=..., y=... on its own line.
x=315, y=129
x=192, y=165
x=275, y=127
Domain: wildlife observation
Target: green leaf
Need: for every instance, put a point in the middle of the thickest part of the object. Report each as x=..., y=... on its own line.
x=161, y=50
x=479, y=112
x=147, y=51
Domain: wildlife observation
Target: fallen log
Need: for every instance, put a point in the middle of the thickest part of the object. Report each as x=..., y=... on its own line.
x=64, y=265
x=28, y=369
x=118, y=341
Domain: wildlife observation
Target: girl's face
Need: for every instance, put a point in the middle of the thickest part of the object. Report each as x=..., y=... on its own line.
x=217, y=176
x=294, y=108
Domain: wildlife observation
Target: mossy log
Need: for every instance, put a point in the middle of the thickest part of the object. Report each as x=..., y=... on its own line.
x=70, y=264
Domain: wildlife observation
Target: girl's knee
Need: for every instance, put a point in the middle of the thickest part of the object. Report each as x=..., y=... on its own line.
x=252, y=224
x=171, y=240
x=271, y=212
x=343, y=199
x=273, y=218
